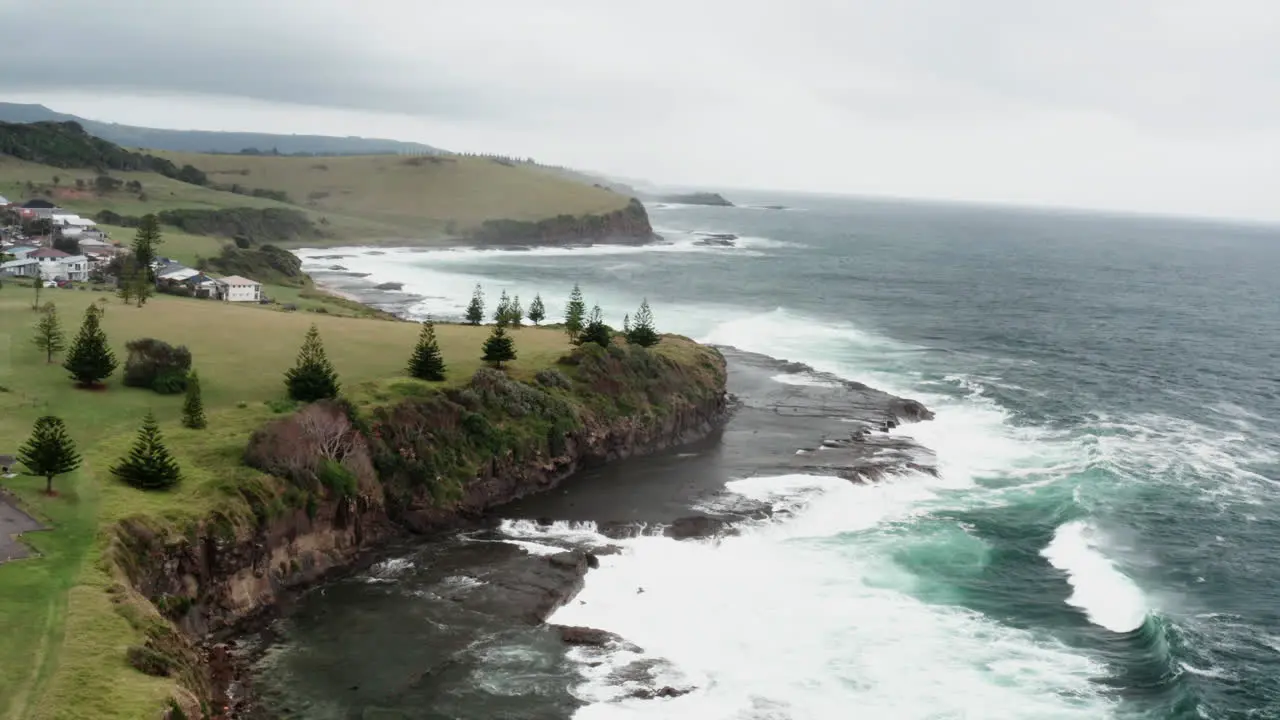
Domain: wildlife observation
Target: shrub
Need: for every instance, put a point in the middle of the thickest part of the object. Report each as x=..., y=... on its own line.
x=300, y=447
x=157, y=365
x=552, y=378
x=340, y=480
x=148, y=661
x=280, y=406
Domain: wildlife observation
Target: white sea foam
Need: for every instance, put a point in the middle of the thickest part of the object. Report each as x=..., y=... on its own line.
x=785, y=618
x=1108, y=596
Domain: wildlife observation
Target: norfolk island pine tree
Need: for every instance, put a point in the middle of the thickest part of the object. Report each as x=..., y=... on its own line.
x=49, y=451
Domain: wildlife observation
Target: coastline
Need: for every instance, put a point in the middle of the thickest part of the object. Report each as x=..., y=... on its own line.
x=677, y=493
x=643, y=496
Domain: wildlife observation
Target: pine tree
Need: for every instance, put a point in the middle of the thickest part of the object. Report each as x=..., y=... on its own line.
x=596, y=331
x=49, y=336
x=193, y=404
x=626, y=324
x=641, y=331
x=427, y=362
x=50, y=450
x=515, y=313
x=39, y=285
x=502, y=314
x=90, y=360
x=573, y=314
x=499, y=348
x=475, y=311
x=313, y=378
x=148, y=466
x=143, y=287
x=125, y=289
x=145, y=242
x=537, y=311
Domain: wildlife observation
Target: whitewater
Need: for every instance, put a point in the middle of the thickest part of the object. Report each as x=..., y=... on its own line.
x=1094, y=543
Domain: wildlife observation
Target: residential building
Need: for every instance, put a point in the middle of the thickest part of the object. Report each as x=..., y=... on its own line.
x=240, y=289
x=23, y=268
x=58, y=265
x=38, y=208
x=73, y=267
x=4, y=201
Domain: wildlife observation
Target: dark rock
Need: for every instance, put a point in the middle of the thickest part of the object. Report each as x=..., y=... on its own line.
x=389, y=286
x=698, y=526
x=717, y=239
x=593, y=562
x=664, y=692
x=336, y=267
x=576, y=635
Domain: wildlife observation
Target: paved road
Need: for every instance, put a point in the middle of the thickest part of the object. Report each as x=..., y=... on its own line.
x=14, y=522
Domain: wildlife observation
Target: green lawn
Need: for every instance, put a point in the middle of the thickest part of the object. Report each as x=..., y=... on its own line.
x=64, y=634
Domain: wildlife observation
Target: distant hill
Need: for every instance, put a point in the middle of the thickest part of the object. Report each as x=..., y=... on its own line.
x=207, y=141
x=368, y=198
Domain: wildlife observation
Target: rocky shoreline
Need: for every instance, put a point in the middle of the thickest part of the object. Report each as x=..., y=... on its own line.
x=480, y=585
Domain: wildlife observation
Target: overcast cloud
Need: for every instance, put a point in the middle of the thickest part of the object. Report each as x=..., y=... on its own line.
x=1152, y=105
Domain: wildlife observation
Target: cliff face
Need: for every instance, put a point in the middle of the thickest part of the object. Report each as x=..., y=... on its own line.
x=423, y=464
x=630, y=224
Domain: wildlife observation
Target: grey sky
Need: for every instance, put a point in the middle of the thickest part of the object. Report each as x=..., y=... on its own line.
x=1157, y=105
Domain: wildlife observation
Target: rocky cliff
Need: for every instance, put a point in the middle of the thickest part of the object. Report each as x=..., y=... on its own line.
x=630, y=224
x=345, y=480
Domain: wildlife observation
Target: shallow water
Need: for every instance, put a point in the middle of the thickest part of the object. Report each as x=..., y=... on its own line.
x=1100, y=539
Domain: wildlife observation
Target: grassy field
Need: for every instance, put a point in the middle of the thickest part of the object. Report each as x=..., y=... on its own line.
x=416, y=194
x=64, y=638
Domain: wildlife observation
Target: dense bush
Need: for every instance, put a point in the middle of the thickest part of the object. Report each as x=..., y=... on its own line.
x=261, y=224
x=552, y=378
x=67, y=145
x=319, y=447
x=266, y=264
x=157, y=365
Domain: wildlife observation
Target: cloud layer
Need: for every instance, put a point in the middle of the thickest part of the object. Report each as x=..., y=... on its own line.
x=1161, y=105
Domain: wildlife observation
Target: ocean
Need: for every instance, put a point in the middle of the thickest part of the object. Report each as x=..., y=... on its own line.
x=1100, y=539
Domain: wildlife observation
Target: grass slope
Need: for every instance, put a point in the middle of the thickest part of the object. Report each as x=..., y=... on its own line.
x=415, y=194
x=64, y=634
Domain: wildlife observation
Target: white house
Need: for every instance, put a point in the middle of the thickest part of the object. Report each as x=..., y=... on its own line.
x=241, y=289
x=24, y=268
x=74, y=267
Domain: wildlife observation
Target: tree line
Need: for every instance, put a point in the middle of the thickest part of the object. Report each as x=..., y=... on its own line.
x=50, y=451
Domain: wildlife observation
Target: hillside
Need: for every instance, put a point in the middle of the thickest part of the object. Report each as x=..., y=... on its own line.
x=215, y=142
x=366, y=199
x=435, y=194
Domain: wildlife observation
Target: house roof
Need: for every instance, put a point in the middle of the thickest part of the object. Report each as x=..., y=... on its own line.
x=181, y=273
x=48, y=253
x=22, y=248
x=237, y=280
x=17, y=264
x=38, y=203
x=4, y=200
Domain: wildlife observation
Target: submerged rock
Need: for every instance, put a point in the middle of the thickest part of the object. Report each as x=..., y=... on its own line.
x=698, y=526
x=663, y=692
x=389, y=286
x=717, y=240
